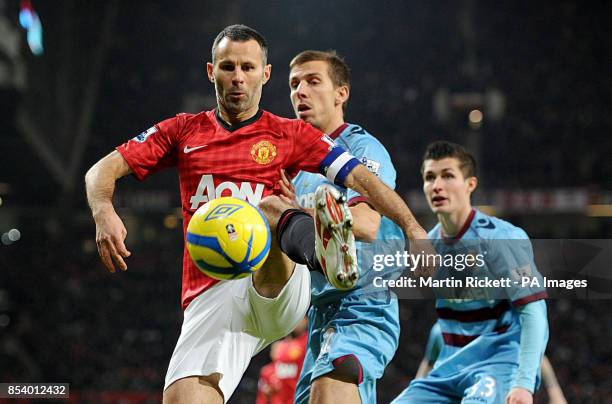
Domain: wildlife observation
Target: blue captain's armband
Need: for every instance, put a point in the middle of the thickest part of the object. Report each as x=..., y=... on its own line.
x=337, y=165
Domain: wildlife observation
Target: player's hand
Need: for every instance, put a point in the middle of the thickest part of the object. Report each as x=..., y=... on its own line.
x=519, y=395
x=288, y=190
x=421, y=246
x=110, y=237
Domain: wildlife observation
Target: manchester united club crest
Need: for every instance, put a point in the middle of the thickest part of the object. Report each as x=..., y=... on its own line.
x=263, y=152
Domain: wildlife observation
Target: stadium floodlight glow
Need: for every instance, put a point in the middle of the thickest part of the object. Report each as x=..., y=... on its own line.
x=604, y=210
x=29, y=20
x=5, y=239
x=14, y=235
x=475, y=116
x=171, y=221
x=490, y=210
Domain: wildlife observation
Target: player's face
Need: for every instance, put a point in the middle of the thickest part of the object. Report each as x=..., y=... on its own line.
x=238, y=74
x=314, y=97
x=445, y=187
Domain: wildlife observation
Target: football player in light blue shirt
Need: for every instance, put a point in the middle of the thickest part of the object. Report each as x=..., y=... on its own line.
x=494, y=339
x=353, y=334
x=435, y=342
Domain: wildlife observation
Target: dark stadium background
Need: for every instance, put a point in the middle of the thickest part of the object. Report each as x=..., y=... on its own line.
x=539, y=72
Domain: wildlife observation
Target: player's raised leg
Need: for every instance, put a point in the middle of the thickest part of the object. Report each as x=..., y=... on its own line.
x=279, y=280
x=335, y=242
x=292, y=229
x=324, y=243
x=272, y=277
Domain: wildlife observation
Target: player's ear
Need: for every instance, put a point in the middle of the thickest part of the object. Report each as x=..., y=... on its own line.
x=342, y=94
x=209, y=72
x=267, y=73
x=472, y=184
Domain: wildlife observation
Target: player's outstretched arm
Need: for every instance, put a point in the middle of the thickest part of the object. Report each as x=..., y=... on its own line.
x=110, y=230
x=385, y=200
x=388, y=203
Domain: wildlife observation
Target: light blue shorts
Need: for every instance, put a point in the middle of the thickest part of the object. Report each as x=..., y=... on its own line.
x=484, y=385
x=365, y=327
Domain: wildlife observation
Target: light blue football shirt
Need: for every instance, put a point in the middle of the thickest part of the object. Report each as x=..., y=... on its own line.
x=465, y=313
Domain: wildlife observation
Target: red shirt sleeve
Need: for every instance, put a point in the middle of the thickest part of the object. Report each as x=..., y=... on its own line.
x=311, y=147
x=153, y=149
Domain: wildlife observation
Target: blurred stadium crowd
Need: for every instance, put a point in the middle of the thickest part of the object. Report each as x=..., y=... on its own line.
x=64, y=319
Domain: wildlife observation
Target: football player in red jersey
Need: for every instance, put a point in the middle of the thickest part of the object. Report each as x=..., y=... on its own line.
x=278, y=379
x=235, y=149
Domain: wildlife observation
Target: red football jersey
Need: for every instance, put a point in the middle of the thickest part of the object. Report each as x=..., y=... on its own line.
x=268, y=386
x=215, y=159
x=278, y=380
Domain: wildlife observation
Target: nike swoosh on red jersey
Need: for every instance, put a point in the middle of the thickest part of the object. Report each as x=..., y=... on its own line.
x=188, y=149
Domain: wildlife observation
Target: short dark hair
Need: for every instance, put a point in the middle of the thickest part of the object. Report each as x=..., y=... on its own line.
x=241, y=33
x=443, y=149
x=339, y=72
